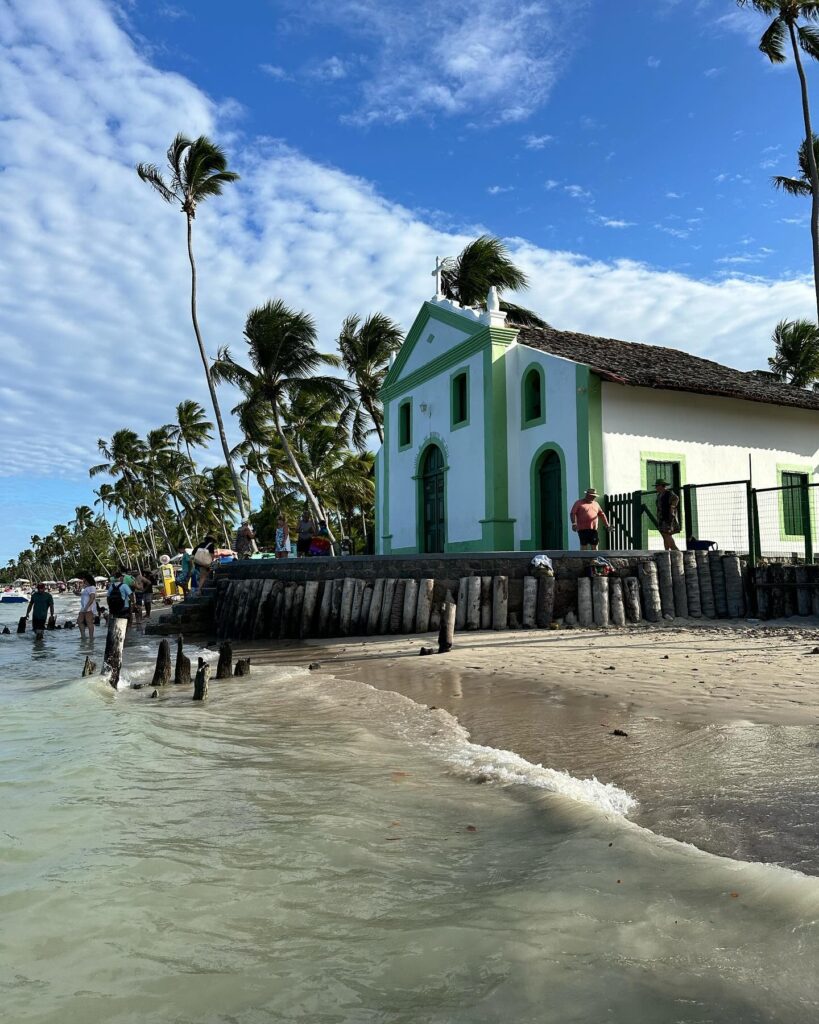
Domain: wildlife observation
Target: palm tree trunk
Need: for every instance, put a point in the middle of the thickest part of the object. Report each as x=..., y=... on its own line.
x=312, y=501
x=181, y=520
x=216, y=410
x=814, y=174
x=376, y=424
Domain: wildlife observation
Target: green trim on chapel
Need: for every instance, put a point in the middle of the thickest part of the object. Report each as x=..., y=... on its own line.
x=590, y=471
x=497, y=529
x=534, y=498
x=781, y=469
x=691, y=529
x=386, y=536
x=461, y=370
x=439, y=442
x=535, y=421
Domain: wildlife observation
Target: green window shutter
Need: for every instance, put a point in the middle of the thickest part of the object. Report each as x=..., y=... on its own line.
x=533, y=396
x=460, y=399
x=405, y=424
x=792, y=502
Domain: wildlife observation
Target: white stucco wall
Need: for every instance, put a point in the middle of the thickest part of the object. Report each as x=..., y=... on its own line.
x=463, y=450
x=560, y=427
x=435, y=340
x=719, y=439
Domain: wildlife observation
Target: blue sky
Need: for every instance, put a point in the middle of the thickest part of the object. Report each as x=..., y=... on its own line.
x=624, y=150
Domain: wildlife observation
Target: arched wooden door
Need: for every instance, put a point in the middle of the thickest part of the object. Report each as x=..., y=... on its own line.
x=433, y=503
x=550, y=502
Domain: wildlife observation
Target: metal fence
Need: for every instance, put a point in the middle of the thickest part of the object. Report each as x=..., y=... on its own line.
x=770, y=523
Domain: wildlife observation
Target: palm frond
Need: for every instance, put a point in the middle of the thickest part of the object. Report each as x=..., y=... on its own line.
x=151, y=174
x=809, y=40
x=519, y=316
x=772, y=43
x=793, y=186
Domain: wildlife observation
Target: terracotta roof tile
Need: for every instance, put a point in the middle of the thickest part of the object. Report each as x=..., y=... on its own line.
x=653, y=366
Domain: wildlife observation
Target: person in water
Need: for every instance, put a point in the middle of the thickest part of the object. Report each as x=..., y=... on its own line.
x=88, y=606
x=42, y=606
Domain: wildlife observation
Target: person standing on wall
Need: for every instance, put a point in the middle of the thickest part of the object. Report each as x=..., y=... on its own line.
x=306, y=532
x=585, y=515
x=668, y=514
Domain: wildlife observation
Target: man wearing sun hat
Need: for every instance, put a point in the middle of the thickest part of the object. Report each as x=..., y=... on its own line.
x=585, y=515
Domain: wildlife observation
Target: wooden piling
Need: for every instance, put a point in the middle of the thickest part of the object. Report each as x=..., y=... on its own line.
x=447, y=631
x=706, y=587
x=286, y=625
x=346, y=613
x=386, y=606
x=678, y=584
x=224, y=667
x=242, y=667
x=423, y=613
x=600, y=600
x=460, y=614
x=366, y=601
x=473, y=603
x=335, y=612
x=308, y=608
x=374, y=617
x=692, y=584
x=585, y=613
x=500, y=603
x=21, y=624
x=718, y=584
x=355, y=614
x=276, y=606
x=410, y=606
x=114, y=642
x=734, y=590
x=486, y=602
x=665, y=582
x=631, y=594
x=650, y=589
x=200, y=683
x=90, y=667
x=617, y=608
x=397, y=610
x=529, y=613
x=257, y=628
x=325, y=608
x=803, y=601
x=162, y=669
x=545, y=601
x=182, y=668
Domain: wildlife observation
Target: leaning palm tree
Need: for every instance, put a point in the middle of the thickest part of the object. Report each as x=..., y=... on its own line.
x=198, y=169
x=786, y=28
x=285, y=360
x=481, y=265
x=365, y=350
x=192, y=428
x=796, y=359
x=799, y=186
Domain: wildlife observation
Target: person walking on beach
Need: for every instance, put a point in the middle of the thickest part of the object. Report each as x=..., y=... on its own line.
x=40, y=607
x=202, y=557
x=88, y=606
x=306, y=532
x=244, y=540
x=585, y=515
x=668, y=517
x=282, y=538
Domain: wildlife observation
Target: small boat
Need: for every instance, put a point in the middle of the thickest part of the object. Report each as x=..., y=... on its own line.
x=13, y=595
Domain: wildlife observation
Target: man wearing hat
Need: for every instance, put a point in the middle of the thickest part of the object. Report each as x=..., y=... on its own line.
x=585, y=515
x=245, y=538
x=668, y=514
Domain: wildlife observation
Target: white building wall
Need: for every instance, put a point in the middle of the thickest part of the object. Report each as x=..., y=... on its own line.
x=718, y=439
x=437, y=338
x=463, y=450
x=560, y=427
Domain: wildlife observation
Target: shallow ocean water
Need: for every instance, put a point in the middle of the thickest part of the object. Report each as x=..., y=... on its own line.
x=300, y=848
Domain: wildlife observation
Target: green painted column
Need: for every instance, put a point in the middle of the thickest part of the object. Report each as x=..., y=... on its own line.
x=589, y=430
x=497, y=529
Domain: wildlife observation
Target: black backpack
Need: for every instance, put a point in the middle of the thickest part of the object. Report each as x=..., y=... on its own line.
x=116, y=602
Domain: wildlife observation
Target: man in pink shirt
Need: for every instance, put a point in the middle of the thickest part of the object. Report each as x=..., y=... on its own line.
x=585, y=515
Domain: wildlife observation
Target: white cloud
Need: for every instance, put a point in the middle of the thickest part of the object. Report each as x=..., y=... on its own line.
x=609, y=222
x=673, y=195
x=94, y=321
x=330, y=70
x=713, y=72
x=537, y=141
x=653, y=62
x=550, y=184
x=577, y=192
x=274, y=71
x=496, y=59
x=497, y=190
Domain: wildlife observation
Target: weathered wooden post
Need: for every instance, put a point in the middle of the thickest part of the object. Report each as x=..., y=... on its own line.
x=114, y=642
x=325, y=609
x=585, y=615
x=90, y=667
x=162, y=670
x=182, y=669
x=616, y=604
x=718, y=584
x=649, y=584
x=346, y=614
x=424, y=611
x=678, y=583
x=545, y=601
x=460, y=614
x=665, y=581
x=486, y=602
x=447, y=630
x=631, y=592
x=358, y=601
x=257, y=629
x=224, y=667
x=366, y=601
x=692, y=584
x=529, y=602
x=308, y=610
x=200, y=683
x=600, y=600
x=763, y=593
x=734, y=590
x=473, y=603
x=375, y=606
x=500, y=602
x=410, y=606
x=397, y=610
x=335, y=612
x=242, y=667
x=386, y=606
x=707, y=605
x=21, y=624
x=788, y=578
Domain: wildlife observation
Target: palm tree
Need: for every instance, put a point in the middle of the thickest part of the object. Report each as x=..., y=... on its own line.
x=365, y=354
x=283, y=353
x=796, y=360
x=799, y=186
x=198, y=169
x=482, y=264
x=192, y=428
x=785, y=27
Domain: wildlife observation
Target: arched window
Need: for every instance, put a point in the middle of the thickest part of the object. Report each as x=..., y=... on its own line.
x=533, y=397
